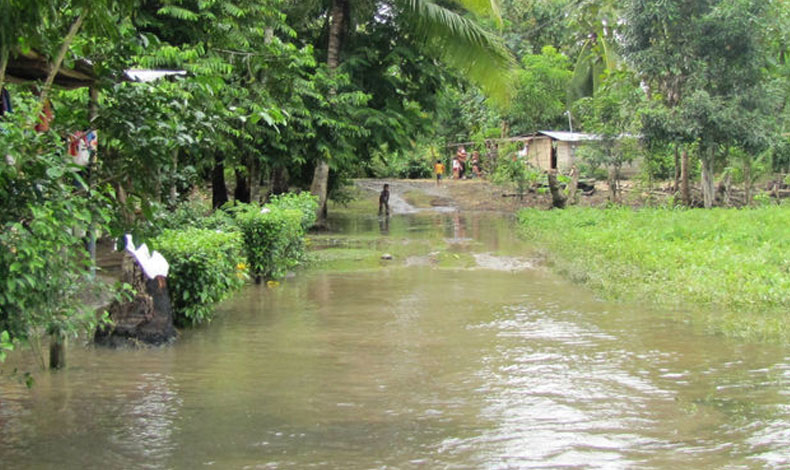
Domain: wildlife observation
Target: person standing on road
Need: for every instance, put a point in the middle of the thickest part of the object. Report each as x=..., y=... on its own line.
x=476, y=164
x=384, y=200
x=461, y=157
x=438, y=169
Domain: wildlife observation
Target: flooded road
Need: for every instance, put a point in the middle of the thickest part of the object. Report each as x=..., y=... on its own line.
x=491, y=363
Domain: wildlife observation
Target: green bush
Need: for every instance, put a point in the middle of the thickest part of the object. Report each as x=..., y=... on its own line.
x=273, y=239
x=44, y=266
x=510, y=171
x=191, y=213
x=205, y=267
x=304, y=202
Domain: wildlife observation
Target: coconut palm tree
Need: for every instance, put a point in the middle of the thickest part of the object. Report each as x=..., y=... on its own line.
x=457, y=40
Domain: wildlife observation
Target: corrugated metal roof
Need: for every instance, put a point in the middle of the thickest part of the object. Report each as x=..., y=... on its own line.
x=563, y=136
x=151, y=75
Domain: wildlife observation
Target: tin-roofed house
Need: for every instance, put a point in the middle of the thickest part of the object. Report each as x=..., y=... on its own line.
x=555, y=150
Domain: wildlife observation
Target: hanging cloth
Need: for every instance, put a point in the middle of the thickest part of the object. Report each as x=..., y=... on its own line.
x=45, y=118
x=78, y=148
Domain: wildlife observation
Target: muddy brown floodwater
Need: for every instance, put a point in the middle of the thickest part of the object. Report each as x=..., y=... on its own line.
x=501, y=365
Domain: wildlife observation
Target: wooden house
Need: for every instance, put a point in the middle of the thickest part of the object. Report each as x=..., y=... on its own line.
x=554, y=150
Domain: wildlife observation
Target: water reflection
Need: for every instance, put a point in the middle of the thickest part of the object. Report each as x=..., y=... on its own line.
x=497, y=367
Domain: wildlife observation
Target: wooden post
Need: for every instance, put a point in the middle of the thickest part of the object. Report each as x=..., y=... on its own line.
x=93, y=113
x=574, y=184
x=685, y=190
x=676, y=186
x=57, y=351
x=173, y=190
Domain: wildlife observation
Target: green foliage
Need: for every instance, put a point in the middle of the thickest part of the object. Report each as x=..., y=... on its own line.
x=705, y=64
x=781, y=155
x=195, y=213
x=190, y=213
x=541, y=92
x=455, y=38
x=409, y=164
x=205, y=267
x=5, y=345
x=304, y=202
x=273, y=239
x=733, y=263
x=610, y=116
x=515, y=171
x=44, y=268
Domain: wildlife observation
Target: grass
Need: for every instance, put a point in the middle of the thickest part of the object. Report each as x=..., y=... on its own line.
x=731, y=267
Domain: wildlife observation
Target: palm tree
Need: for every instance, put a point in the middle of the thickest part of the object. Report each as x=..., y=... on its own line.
x=457, y=40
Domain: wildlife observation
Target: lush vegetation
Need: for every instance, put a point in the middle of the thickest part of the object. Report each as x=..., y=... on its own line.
x=265, y=98
x=278, y=95
x=273, y=239
x=730, y=266
x=205, y=267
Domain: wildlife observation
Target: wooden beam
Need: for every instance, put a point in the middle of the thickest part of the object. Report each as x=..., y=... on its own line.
x=34, y=67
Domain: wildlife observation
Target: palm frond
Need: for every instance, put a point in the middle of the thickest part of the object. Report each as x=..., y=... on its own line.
x=486, y=8
x=464, y=45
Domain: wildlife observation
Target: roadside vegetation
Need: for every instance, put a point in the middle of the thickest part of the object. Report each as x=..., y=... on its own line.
x=726, y=268
x=279, y=96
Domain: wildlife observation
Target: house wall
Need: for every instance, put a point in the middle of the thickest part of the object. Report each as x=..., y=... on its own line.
x=565, y=155
x=539, y=155
x=540, y=152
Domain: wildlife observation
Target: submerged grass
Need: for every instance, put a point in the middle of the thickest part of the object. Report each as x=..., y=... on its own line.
x=734, y=264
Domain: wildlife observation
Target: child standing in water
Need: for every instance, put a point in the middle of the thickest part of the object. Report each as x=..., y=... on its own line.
x=438, y=169
x=384, y=200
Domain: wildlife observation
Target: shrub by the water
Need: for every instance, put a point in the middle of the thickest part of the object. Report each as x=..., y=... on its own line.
x=273, y=239
x=304, y=202
x=733, y=263
x=205, y=267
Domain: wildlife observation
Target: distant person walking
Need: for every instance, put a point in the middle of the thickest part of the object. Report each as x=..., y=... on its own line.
x=461, y=157
x=438, y=169
x=476, y=164
x=384, y=200
x=456, y=168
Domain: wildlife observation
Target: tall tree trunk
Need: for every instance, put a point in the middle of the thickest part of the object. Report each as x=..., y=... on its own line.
x=219, y=192
x=574, y=184
x=123, y=201
x=93, y=113
x=173, y=187
x=55, y=66
x=676, y=186
x=279, y=180
x=254, y=170
x=242, y=191
x=158, y=184
x=613, y=181
x=557, y=198
x=708, y=187
x=320, y=185
x=747, y=181
x=336, y=27
x=4, y=53
x=685, y=188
